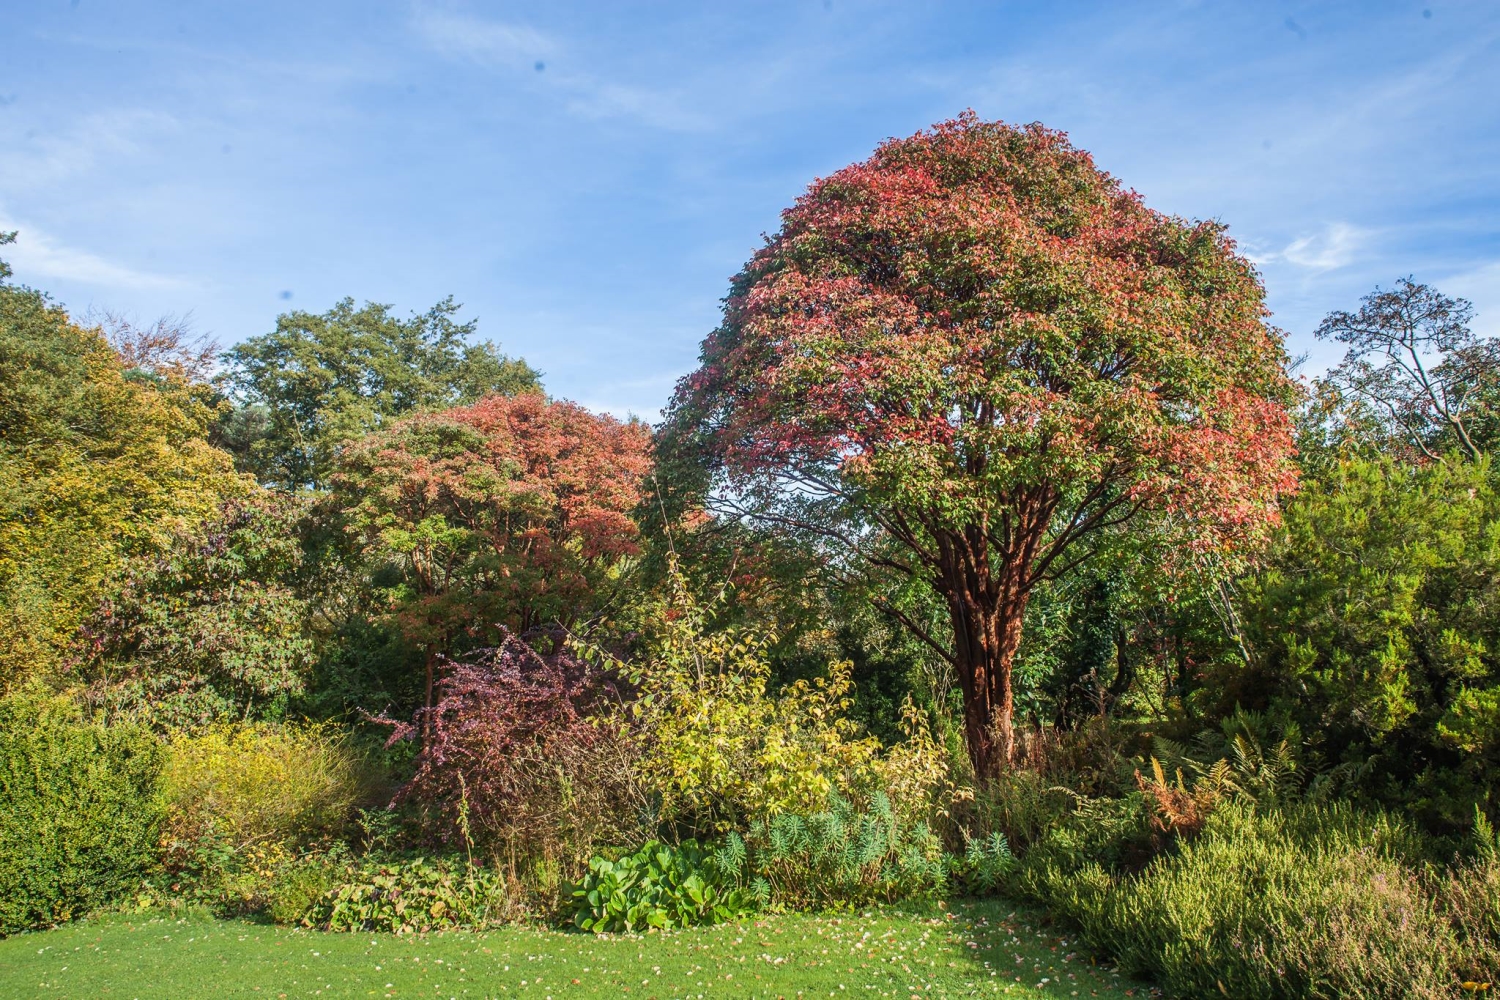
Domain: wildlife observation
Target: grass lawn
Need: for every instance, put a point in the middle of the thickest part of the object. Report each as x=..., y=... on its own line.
x=973, y=949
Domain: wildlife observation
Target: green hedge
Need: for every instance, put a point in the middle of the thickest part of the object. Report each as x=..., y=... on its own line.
x=80, y=811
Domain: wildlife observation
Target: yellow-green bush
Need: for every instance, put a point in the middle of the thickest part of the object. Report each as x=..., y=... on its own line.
x=918, y=776
x=243, y=784
x=721, y=748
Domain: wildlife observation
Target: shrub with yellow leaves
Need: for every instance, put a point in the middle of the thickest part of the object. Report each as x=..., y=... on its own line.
x=721, y=748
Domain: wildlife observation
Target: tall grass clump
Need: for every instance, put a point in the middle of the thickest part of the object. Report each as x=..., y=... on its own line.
x=263, y=782
x=80, y=812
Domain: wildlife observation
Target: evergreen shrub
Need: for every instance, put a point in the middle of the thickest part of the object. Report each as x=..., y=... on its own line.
x=80, y=813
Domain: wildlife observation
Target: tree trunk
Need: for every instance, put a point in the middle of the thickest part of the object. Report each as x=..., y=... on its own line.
x=987, y=608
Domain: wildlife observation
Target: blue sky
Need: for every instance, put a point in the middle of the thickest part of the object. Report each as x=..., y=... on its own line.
x=586, y=177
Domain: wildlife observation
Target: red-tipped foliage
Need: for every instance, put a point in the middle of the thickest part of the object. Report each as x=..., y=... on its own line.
x=508, y=728
x=516, y=511
x=972, y=352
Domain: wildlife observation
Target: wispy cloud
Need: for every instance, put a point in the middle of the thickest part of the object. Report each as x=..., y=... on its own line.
x=508, y=46
x=46, y=159
x=487, y=42
x=651, y=107
x=1337, y=245
x=36, y=255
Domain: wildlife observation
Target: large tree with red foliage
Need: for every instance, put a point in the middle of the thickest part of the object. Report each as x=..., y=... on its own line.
x=970, y=354
x=511, y=512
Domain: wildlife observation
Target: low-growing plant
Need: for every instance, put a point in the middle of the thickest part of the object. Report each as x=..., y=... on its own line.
x=1468, y=894
x=80, y=812
x=1021, y=804
x=297, y=885
x=413, y=896
x=658, y=887
x=1113, y=835
x=269, y=877
x=1306, y=902
x=841, y=856
x=983, y=866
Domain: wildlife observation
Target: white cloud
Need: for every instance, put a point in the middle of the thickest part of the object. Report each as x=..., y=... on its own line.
x=483, y=41
x=613, y=100
x=1338, y=245
x=502, y=45
x=97, y=140
x=36, y=255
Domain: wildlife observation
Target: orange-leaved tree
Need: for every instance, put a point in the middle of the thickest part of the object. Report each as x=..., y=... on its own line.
x=514, y=511
x=967, y=357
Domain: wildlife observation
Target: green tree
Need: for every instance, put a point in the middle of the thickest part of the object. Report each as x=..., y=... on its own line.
x=1377, y=625
x=321, y=380
x=213, y=628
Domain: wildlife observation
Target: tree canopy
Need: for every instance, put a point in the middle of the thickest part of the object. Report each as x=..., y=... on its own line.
x=1412, y=358
x=320, y=380
x=97, y=463
x=511, y=512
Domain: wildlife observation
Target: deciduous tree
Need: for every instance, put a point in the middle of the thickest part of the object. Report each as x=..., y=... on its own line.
x=320, y=380
x=1414, y=359
x=97, y=464
x=515, y=511
x=213, y=628
x=967, y=355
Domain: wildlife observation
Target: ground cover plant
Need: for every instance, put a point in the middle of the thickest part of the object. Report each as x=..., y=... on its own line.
x=974, y=949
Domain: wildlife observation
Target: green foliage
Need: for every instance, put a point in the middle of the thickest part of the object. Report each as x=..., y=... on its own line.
x=723, y=748
x=658, y=887
x=1306, y=901
x=318, y=381
x=269, y=877
x=1021, y=804
x=80, y=811
x=1098, y=834
x=845, y=856
x=97, y=464
x=1469, y=897
x=261, y=782
x=1376, y=626
x=417, y=895
x=213, y=628
x=294, y=888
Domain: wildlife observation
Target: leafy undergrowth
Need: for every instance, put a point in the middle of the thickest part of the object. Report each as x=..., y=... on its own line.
x=972, y=949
